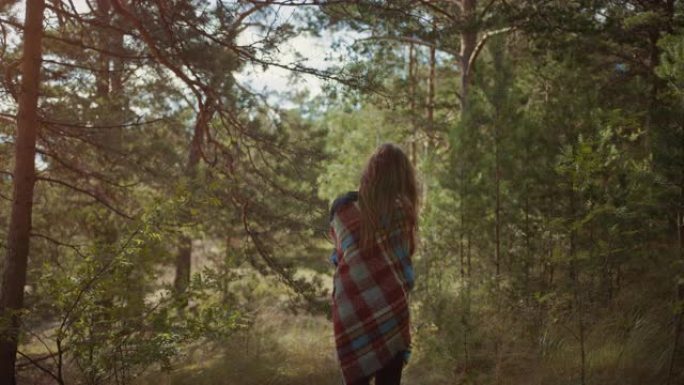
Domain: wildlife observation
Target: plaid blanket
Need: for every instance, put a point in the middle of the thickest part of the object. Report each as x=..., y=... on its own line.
x=370, y=291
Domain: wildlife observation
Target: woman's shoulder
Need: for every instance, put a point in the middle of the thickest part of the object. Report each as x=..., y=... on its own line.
x=343, y=200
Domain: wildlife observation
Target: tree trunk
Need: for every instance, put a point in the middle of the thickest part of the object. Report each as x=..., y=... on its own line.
x=679, y=286
x=431, y=140
x=465, y=262
x=468, y=43
x=24, y=178
x=497, y=192
x=184, y=257
x=183, y=265
x=117, y=75
x=412, y=102
x=103, y=75
x=109, y=76
x=528, y=236
x=575, y=276
x=431, y=92
x=465, y=294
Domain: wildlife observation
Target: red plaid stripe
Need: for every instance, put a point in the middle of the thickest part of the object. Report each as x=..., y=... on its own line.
x=370, y=295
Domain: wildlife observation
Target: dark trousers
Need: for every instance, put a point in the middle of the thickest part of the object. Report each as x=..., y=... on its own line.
x=390, y=374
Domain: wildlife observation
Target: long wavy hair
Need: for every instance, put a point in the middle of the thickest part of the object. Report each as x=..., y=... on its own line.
x=388, y=183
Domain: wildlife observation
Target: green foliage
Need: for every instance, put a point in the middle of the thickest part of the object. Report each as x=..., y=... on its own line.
x=671, y=66
x=113, y=317
x=550, y=229
x=352, y=136
x=566, y=159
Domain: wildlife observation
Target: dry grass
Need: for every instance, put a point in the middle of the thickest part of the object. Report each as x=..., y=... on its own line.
x=280, y=349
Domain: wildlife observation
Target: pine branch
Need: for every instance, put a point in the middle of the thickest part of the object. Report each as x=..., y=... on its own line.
x=96, y=196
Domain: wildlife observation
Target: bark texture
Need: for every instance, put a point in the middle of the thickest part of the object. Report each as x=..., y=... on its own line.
x=24, y=178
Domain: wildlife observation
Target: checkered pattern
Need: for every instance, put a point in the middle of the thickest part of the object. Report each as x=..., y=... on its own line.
x=370, y=292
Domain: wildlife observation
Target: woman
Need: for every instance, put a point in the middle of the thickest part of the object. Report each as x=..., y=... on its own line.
x=374, y=235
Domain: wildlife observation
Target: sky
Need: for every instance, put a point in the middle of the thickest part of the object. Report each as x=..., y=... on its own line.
x=311, y=51
x=277, y=81
x=273, y=82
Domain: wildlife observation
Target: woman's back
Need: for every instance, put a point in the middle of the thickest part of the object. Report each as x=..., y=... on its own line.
x=370, y=288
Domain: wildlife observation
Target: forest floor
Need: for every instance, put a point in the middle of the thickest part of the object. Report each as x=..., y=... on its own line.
x=280, y=349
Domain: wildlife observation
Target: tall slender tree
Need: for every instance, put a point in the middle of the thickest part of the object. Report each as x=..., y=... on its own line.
x=24, y=179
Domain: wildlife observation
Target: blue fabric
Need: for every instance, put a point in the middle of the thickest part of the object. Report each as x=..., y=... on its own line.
x=351, y=196
x=399, y=247
x=359, y=352
x=334, y=259
x=340, y=201
x=401, y=251
x=407, y=356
